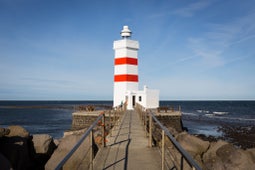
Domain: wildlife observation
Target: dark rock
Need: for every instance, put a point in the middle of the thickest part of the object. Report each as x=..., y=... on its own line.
x=25, y=152
x=18, y=151
x=4, y=131
x=240, y=136
x=207, y=138
x=5, y=164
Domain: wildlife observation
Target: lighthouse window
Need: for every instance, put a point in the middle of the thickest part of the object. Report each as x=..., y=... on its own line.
x=140, y=98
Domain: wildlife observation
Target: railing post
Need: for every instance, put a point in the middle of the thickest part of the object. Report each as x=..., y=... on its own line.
x=103, y=130
x=111, y=126
x=114, y=119
x=163, y=150
x=144, y=118
x=145, y=124
x=181, y=162
x=150, y=130
x=91, y=151
x=110, y=119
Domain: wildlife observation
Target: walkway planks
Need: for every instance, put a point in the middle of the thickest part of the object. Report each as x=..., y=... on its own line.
x=127, y=148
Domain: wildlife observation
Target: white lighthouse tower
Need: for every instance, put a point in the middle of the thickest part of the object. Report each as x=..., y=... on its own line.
x=125, y=69
x=126, y=75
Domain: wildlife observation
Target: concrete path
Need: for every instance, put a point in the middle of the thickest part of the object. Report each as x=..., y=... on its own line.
x=127, y=148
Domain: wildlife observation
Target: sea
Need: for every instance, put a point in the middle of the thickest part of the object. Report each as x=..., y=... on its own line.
x=55, y=117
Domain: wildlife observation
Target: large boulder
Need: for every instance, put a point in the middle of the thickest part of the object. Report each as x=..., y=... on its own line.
x=43, y=144
x=18, y=131
x=44, y=147
x=251, y=152
x=23, y=152
x=233, y=158
x=210, y=159
x=192, y=144
x=80, y=159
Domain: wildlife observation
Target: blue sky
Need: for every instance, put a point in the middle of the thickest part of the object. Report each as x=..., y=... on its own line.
x=189, y=50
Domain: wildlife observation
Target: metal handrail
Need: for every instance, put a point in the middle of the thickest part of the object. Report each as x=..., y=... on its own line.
x=184, y=153
x=84, y=136
x=165, y=131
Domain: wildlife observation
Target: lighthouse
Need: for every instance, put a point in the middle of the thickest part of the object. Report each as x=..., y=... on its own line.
x=126, y=74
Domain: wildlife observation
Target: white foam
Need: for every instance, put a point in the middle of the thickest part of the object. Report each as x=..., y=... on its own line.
x=220, y=113
x=209, y=115
x=203, y=111
x=190, y=114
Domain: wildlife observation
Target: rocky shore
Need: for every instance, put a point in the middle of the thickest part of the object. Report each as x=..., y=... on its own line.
x=240, y=136
x=21, y=151
x=234, y=150
x=218, y=155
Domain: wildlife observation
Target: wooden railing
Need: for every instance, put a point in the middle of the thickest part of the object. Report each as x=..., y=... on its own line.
x=173, y=154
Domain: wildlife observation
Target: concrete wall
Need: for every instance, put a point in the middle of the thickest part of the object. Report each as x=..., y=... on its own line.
x=171, y=121
x=83, y=119
x=152, y=99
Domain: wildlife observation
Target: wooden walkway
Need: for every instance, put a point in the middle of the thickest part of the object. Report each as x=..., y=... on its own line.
x=127, y=148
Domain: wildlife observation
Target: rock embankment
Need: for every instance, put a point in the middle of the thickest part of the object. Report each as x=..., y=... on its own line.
x=21, y=151
x=218, y=155
x=81, y=157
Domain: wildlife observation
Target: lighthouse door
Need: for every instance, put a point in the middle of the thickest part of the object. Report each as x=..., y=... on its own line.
x=133, y=101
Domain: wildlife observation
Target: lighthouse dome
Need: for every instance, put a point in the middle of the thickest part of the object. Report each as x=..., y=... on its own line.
x=126, y=33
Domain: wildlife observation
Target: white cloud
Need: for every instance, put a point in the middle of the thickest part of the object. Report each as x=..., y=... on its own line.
x=210, y=57
x=191, y=9
x=213, y=46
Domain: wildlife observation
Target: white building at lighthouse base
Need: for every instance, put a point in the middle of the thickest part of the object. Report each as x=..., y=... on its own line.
x=148, y=98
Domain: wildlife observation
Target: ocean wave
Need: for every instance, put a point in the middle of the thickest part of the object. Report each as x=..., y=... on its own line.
x=203, y=111
x=209, y=115
x=220, y=113
x=219, y=116
x=214, y=116
x=238, y=118
x=189, y=114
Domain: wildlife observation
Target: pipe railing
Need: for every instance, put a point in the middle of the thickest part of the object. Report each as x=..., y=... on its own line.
x=88, y=132
x=148, y=120
x=101, y=121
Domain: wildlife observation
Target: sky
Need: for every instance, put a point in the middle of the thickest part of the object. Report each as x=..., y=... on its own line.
x=189, y=50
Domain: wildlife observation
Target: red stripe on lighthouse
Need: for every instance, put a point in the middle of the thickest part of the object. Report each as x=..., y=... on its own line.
x=125, y=60
x=126, y=77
